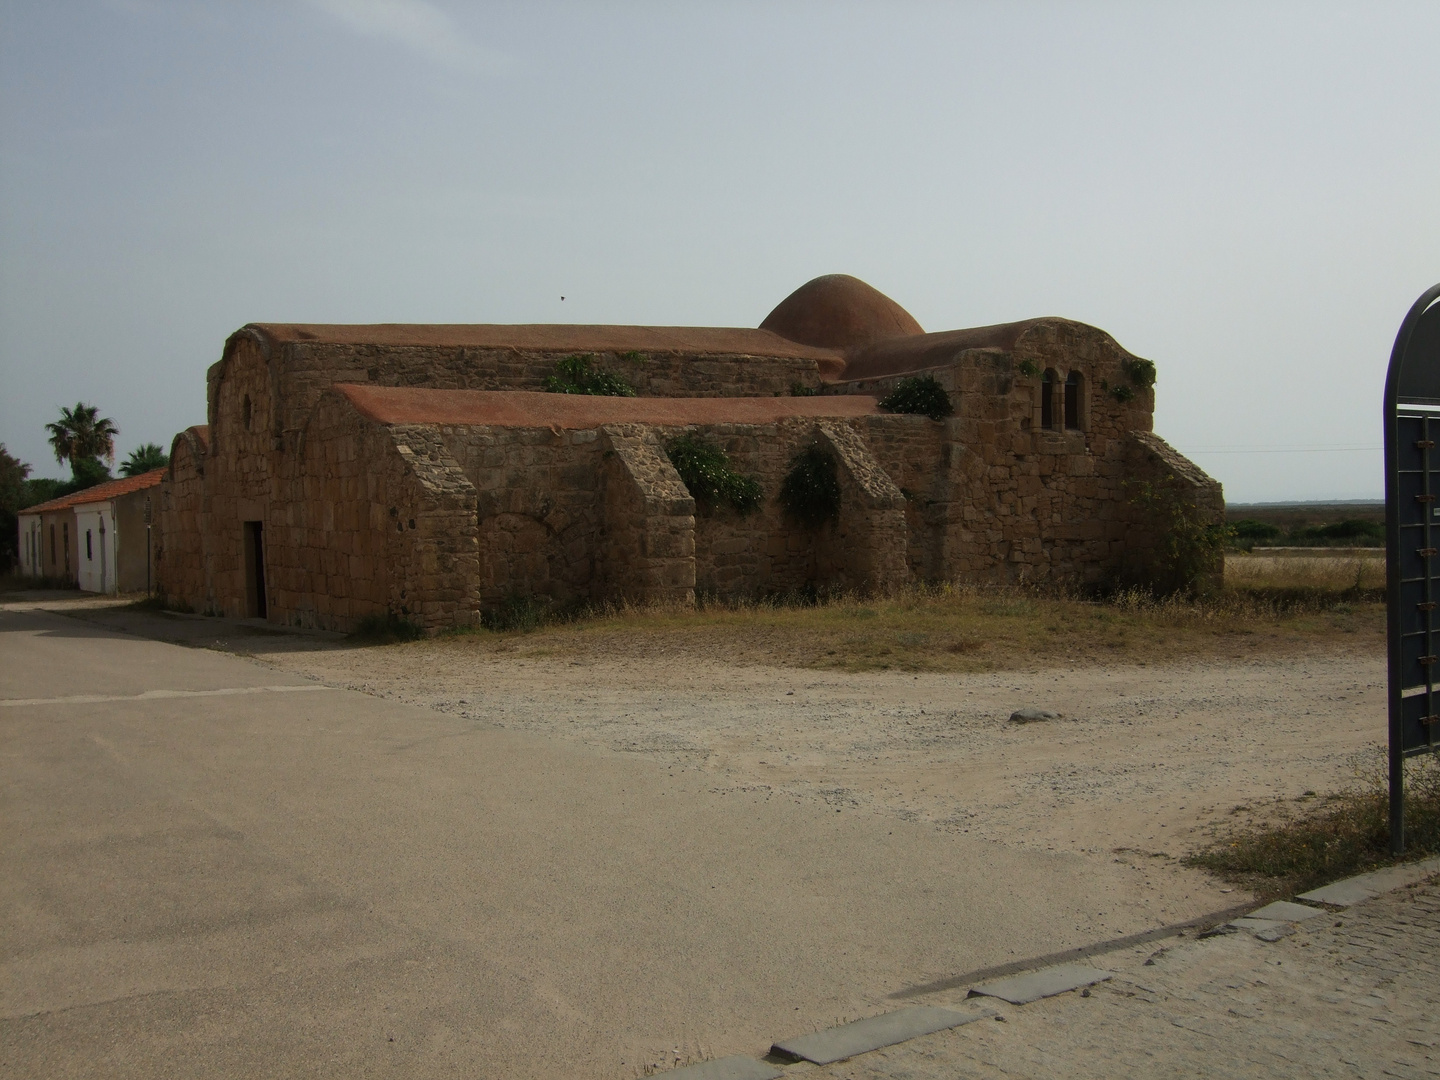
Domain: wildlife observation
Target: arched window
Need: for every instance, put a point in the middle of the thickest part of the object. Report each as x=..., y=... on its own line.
x=1074, y=384
x=1048, y=382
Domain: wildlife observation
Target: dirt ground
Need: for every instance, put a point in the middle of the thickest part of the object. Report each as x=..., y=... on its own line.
x=1144, y=764
x=1144, y=761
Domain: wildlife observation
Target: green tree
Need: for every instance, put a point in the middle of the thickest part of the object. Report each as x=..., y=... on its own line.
x=13, y=472
x=143, y=458
x=82, y=437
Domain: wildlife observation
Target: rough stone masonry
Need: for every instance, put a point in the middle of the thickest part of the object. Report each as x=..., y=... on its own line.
x=421, y=471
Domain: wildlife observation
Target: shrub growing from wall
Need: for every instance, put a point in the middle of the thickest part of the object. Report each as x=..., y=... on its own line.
x=705, y=469
x=811, y=491
x=919, y=396
x=578, y=375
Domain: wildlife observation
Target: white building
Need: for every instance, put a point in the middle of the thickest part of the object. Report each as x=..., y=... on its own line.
x=101, y=538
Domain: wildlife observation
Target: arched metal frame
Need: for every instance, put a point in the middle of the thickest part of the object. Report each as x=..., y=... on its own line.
x=1412, y=545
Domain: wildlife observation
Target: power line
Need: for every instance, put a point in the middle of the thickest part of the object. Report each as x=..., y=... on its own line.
x=1289, y=450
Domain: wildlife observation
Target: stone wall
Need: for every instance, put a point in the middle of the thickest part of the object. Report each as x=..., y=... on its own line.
x=865, y=548
x=378, y=521
x=297, y=374
x=1171, y=484
x=647, y=546
x=1007, y=499
x=538, y=507
x=181, y=575
x=990, y=494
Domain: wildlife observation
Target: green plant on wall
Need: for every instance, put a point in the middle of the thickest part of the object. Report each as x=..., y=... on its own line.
x=921, y=395
x=1028, y=368
x=706, y=471
x=1189, y=547
x=811, y=491
x=1140, y=372
x=578, y=375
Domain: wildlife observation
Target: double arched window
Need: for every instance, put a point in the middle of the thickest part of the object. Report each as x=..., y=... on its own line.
x=1062, y=404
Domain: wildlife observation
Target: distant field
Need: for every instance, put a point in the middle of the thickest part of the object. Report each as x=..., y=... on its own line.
x=1318, y=524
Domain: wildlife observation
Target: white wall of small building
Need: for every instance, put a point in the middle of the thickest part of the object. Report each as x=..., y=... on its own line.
x=95, y=523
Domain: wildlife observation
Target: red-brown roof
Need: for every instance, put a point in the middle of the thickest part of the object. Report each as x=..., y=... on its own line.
x=897, y=355
x=528, y=408
x=111, y=489
x=552, y=337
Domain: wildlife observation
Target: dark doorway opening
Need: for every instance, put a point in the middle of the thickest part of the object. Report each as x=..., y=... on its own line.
x=1072, y=400
x=254, y=541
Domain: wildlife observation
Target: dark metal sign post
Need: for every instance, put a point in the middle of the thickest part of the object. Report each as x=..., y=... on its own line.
x=1412, y=545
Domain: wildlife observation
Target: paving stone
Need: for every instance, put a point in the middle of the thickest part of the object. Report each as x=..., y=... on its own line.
x=1285, y=911
x=1034, y=985
x=738, y=1067
x=862, y=1036
x=1272, y=929
x=1356, y=994
x=1366, y=886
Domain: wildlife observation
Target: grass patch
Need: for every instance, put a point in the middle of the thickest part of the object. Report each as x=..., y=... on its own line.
x=521, y=614
x=1313, y=841
x=387, y=629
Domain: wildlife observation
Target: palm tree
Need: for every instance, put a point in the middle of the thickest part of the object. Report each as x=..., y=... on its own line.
x=82, y=434
x=144, y=458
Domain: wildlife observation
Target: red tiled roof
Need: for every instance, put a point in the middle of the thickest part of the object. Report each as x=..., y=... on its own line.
x=897, y=355
x=111, y=489
x=553, y=337
x=529, y=408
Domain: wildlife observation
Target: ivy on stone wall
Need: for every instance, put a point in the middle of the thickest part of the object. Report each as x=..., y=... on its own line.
x=1120, y=392
x=1189, y=549
x=811, y=491
x=921, y=395
x=578, y=375
x=706, y=471
x=1140, y=372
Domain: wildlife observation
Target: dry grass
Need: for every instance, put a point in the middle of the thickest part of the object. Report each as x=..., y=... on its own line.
x=1288, y=847
x=1362, y=575
x=975, y=629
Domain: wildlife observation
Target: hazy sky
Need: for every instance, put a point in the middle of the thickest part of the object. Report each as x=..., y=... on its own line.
x=1249, y=195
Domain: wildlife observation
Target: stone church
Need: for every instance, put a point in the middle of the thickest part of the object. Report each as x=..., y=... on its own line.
x=423, y=471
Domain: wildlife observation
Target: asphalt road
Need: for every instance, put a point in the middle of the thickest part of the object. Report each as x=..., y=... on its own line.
x=244, y=874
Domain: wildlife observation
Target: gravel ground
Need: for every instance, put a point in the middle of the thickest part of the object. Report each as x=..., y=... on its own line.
x=1142, y=762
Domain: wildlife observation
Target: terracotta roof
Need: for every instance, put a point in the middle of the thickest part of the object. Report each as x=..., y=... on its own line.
x=894, y=356
x=553, y=337
x=528, y=408
x=838, y=311
x=111, y=489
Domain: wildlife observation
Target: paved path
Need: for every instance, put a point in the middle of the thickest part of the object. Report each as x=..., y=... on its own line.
x=1354, y=994
x=271, y=882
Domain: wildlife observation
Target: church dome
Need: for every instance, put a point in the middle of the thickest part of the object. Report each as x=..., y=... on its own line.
x=838, y=311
